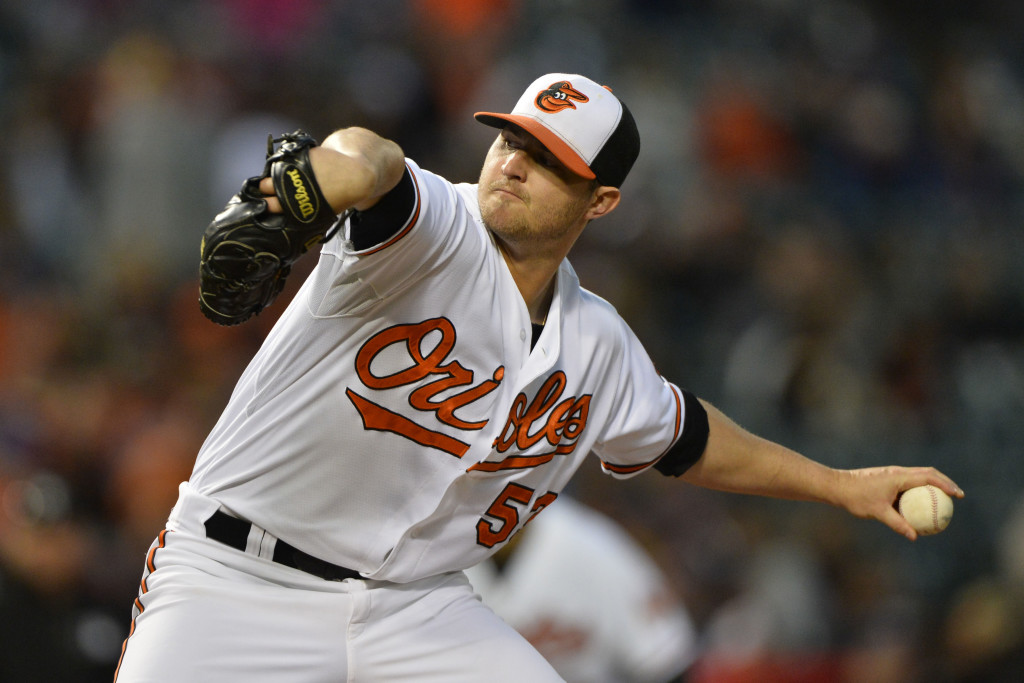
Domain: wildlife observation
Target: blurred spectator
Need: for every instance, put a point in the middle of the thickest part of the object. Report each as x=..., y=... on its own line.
x=588, y=597
x=153, y=114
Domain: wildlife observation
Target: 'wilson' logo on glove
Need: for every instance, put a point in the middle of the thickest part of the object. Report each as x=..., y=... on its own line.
x=300, y=201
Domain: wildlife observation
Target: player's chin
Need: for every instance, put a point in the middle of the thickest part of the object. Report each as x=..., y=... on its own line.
x=505, y=222
x=503, y=207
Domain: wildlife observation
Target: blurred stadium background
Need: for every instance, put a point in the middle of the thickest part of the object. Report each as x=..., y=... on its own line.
x=822, y=235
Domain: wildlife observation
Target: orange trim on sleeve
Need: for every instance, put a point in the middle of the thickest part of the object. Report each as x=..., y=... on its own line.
x=679, y=414
x=629, y=469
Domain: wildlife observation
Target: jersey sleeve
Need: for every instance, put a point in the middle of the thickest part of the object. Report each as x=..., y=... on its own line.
x=424, y=223
x=648, y=414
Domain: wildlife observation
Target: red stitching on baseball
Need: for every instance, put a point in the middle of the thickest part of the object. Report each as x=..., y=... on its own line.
x=935, y=507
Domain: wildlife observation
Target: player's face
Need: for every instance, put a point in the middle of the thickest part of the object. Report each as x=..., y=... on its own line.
x=526, y=193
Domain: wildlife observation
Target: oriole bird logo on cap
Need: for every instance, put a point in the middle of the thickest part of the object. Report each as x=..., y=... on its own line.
x=559, y=96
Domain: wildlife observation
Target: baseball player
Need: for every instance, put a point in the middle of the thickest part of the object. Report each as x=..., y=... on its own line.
x=589, y=598
x=435, y=382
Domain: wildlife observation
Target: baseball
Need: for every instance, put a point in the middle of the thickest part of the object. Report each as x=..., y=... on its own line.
x=927, y=508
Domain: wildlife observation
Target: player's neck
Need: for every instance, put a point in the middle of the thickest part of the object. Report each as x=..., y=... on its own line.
x=535, y=279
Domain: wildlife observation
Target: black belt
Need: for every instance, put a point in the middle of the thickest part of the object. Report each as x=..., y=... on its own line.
x=234, y=532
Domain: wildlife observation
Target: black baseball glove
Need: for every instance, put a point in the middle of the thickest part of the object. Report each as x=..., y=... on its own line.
x=247, y=252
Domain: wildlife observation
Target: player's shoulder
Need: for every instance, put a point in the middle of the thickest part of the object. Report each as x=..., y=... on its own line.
x=591, y=303
x=598, y=313
x=467, y=193
x=430, y=181
x=445, y=196
x=597, y=305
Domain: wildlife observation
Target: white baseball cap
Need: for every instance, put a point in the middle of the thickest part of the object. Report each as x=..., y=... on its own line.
x=582, y=123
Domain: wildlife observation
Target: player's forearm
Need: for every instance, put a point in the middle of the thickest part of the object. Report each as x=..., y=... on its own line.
x=355, y=167
x=736, y=460
x=740, y=462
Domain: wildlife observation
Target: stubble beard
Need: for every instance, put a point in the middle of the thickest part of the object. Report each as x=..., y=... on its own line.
x=514, y=227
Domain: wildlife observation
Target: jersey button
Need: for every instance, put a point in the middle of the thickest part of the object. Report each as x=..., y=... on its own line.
x=522, y=334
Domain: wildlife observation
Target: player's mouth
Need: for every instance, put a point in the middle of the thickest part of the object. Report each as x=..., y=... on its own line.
x=506, y=190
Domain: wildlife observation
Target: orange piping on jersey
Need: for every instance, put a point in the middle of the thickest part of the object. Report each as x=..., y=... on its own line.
x=143, y=589
x=629, y=469
x=408, y=226
x=381, y=419
x=679, y=413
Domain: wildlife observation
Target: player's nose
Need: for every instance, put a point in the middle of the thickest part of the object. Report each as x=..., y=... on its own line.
x=515, y=165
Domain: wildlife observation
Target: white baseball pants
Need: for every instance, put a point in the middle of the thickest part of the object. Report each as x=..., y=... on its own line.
x=208, y=612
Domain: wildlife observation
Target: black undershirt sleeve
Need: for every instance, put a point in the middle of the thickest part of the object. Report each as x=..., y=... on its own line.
x=384, y=219
x=691, y=444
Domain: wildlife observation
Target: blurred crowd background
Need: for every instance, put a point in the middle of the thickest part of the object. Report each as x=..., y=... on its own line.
x=822, y=235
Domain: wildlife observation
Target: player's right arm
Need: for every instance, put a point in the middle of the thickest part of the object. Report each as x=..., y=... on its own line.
x=737, y=461
x=354, y=168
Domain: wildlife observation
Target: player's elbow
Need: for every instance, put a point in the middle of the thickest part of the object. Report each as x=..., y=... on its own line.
x=391, y=166
x=376, y=162
x=361, y=143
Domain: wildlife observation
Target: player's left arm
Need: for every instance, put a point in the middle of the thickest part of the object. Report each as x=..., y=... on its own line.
x=738, y=461
x=354, y=168
x=248, y=250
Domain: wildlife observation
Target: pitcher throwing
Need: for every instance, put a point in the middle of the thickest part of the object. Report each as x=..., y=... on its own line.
x=433, y=386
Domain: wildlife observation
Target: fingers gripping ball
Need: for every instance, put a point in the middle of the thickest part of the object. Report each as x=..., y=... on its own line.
x=247, y=251
x=927, y=508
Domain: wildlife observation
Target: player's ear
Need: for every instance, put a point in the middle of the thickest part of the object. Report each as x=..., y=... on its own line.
x=604, y=201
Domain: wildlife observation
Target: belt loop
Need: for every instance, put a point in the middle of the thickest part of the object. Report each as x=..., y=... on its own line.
x=267, y=543
x=249, y=538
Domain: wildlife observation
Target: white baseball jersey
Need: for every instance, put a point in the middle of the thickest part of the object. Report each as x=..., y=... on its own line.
x=590, y=600
x=396, y=420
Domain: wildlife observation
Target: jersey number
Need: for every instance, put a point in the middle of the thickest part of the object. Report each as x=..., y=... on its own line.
x=505, y=513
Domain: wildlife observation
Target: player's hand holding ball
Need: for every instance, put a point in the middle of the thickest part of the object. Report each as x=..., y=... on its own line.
x=927, y=508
